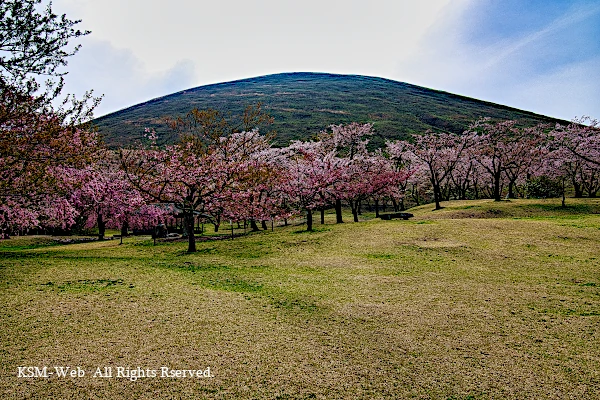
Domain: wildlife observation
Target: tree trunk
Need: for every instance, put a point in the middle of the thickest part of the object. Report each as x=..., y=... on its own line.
x=309, y=220
x=578, y=190
x=563, y=203
x=463, y=192
x=497, y=192
x=415, y=195
x=376, y=208
x=338, y=212
x=189, y=224
x=511, y=189
x=264, y=225
x=217, y=222
x=402, y=207
x=354, y=207
x=436, y=196
x=253, y=226
x=101, y=227
x=446, y=192
x=322, y=215
x=125, y=228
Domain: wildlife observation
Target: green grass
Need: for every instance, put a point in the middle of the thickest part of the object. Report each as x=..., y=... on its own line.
x=454, y=304
x=514, y=208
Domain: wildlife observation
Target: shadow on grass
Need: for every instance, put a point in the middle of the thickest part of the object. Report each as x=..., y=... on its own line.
x=315, y=230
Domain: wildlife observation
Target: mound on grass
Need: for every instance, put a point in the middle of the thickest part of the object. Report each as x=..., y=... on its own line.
x=510, y=208
x=435, y=307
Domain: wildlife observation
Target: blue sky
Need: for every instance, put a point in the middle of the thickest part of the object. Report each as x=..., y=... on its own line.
x=541, y=56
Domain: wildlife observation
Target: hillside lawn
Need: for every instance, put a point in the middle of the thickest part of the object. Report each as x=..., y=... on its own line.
x=480, y=300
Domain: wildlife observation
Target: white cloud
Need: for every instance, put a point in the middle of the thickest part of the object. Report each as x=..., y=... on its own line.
x=122, y=77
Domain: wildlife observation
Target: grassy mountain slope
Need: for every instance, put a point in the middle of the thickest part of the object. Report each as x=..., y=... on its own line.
x=305, y=103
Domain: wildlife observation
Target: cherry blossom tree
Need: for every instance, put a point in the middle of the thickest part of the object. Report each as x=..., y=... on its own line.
x=199, y=173
x=33, y=146
x=370, y=176
x=347, y=142
x=580, y=155
x=105, y=198
x=440, y=153
x=402, y=159
x=505, y=152
x=311, y=173
x=177, y=175
x=259, y=195
x=462, y=177
x=581, y=137
x=557, y=163
x=338, y=167
x=523, y=155
x=38, y=132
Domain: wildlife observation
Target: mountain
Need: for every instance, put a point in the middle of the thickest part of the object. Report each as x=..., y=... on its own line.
x=303, y=104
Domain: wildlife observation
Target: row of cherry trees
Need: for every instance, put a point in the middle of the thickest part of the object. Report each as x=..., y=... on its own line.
x=57, y=176
x=218, y=173
x=490, y=159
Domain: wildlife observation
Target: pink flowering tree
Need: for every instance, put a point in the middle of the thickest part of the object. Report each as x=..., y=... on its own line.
x=580, y=144
x=260, y=195
x=463, y=176
x=504, y=152
x=338, y=167
x=35, y=143
x=419, y=184
x=310, y=175
x=523, y=156
x=439, y=153
x=370, y=176
x=581, y=138
x=402, y=159
x=557, y=164
x=251, y=197
x=177, y=175
x=345, y=142
x=105, y=198
x=199, y=174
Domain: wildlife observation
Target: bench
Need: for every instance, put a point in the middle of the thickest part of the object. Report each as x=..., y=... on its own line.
x=403, y=215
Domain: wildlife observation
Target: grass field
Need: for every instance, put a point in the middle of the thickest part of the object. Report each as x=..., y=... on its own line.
x=480, y=300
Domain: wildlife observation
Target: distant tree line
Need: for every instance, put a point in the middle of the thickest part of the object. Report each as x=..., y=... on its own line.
x=493, y=160
x=219, y=173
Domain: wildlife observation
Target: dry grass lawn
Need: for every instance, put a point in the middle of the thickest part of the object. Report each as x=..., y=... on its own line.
x=480, y=300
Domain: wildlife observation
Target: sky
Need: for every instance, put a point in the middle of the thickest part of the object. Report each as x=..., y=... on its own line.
x=537, y=55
